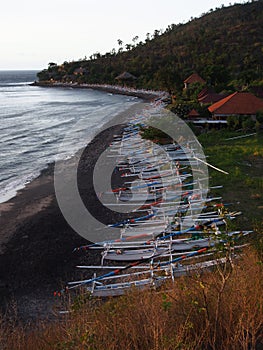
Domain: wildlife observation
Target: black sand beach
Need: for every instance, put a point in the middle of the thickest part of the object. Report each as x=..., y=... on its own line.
x=36, y=242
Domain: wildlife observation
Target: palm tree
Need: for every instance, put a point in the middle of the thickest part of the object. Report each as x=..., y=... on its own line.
x=120, y=42
x=135, y=39
x=156, y=33
x=147, y=37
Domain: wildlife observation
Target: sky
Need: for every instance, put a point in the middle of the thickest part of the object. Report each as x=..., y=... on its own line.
x=36, y=32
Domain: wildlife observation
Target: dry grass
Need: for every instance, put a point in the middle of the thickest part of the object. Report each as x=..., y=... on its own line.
x=219, y=310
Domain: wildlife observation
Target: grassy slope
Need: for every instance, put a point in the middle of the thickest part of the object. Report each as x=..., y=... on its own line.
x=243, y=159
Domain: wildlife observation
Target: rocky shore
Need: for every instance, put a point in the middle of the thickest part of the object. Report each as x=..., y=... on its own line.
x=146, y=95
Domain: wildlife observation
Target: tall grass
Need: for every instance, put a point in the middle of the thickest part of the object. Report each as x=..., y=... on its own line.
x=218, y=310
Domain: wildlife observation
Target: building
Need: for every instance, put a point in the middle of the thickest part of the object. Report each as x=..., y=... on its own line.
x=194, y=117
x=126, y=78
x=193, y=114
x=238, y=103
x=209, y=96
x=193, y=78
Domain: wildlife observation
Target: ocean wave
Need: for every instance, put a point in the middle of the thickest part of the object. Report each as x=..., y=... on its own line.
x=33, y=126
x=10, y=189
x=24, y=83
x=17, y=115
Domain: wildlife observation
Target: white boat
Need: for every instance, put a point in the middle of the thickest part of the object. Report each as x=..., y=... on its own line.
x=184, y=270
x=136, y=254
x=176, y=270
x=116, y=289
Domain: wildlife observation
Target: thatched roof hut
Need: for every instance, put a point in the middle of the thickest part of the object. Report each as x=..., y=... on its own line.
x=125, y=76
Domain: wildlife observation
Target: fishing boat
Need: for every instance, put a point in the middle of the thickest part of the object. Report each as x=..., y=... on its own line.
x=184, y=246
x=99, y=287
x=137, y=254
x=169, y=231
x=117, y=289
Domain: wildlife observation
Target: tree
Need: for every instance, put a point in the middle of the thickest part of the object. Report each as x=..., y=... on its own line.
x=259, y=116
x=233, y=122
x=43, y=75
x=193, y=90
x=135, y=39
x=120, y=42
x=52, y=64
x=147, y=37
x=216, y=74
x=156, y=33
x=248, y=123
x=128, y=47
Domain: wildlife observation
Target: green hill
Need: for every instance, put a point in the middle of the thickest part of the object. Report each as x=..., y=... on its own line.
x=225, y=46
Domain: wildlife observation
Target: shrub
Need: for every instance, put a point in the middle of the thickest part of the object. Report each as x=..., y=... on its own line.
x=233, y=122
x=248, y=123
x=259, y=116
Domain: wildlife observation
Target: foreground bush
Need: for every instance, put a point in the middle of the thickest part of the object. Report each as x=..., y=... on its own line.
x=219, y=310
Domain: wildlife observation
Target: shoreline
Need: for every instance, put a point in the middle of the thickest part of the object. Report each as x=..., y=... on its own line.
x=145, y=95
x=36, y=242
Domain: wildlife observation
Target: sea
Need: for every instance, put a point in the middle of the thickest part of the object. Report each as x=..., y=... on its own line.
x=34, y=121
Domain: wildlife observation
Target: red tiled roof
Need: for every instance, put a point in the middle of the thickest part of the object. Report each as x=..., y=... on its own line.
x=204, y=92
x=193, y=113
x=237, y=103
x=208, y=95
x=194, y=78
x=211, y=98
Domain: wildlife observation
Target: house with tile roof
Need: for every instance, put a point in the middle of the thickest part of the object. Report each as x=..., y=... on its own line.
x=238, y=103
x=193, y=78
x=209, y=96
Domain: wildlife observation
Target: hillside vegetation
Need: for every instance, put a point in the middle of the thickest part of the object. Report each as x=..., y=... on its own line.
x=225, y=46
